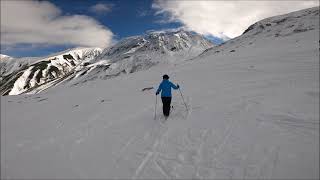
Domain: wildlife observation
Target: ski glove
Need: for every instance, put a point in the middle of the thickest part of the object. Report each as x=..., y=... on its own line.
x=157, y=93
x=178, y=86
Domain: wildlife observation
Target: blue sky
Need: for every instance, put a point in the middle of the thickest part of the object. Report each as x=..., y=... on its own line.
x=39, y=28
x=126, y=18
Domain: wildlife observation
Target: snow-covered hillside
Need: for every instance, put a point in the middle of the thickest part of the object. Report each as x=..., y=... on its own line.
x=253, y=113
x=9, y=64
x=271, y=29
x=157, y=45
x=84, y=64
x=4, y=57
x=19, y=75
x=142, y=52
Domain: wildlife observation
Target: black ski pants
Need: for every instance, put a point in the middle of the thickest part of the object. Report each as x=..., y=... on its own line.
x=166, y=101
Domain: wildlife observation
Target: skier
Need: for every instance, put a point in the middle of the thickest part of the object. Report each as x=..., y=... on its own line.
x=165, y=88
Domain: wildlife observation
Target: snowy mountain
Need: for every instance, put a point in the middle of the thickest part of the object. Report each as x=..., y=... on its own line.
x=158, y=45
x=270, y=29
x=9, y=64
x=252, y=112
x=82, y=64
x=3, y=56
x=142, y=52
x=23, y=74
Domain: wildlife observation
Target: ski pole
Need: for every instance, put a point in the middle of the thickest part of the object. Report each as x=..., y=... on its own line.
x=183, y=100
x=155, y=109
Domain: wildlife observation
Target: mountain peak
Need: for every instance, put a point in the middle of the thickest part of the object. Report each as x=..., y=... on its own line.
x=286, y=24
x=127, y=56
x=164, y=42
x=4, y=57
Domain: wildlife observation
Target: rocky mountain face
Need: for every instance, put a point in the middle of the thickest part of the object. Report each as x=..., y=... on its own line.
x=142, y=52
x=32, y=75
x=172, y=43
x=24, y=74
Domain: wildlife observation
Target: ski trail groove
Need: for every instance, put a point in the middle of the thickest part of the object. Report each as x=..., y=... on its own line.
x=204, y=137
x=224, y=141
x=162, y=169
x=274, y=162
x=149, y=155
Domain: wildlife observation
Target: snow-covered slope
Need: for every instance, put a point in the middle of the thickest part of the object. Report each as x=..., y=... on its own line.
x=84, y=64
x=4, y=57
x=271, y=29
x=179, y=44
x=142, y=52
x=10, y=64
x=253, y=113
x=19, y=75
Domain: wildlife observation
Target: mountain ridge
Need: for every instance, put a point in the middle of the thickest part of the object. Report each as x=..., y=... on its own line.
x=128, y=55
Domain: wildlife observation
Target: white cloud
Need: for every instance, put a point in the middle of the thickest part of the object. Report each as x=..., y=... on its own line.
x=142, y=13
x=101, y=8
x=219, y=18
x=41, y=22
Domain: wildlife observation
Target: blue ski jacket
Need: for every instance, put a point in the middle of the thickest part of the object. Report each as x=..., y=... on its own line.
x=165, y=88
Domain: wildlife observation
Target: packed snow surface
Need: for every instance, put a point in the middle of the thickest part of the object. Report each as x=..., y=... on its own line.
x=253, y=113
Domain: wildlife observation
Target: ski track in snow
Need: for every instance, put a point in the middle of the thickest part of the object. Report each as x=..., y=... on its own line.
x=149, y=155
x=194, y=155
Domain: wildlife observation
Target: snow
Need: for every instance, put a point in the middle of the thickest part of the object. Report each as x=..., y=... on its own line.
x=132, y=54
x=19, y=85
x=3, y=56
x=66, y=66
x=10, y=64
x=253, y=114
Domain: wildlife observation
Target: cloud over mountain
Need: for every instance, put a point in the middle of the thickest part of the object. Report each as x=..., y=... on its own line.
x=219, y=18
x=101, y=8
x=41, y=22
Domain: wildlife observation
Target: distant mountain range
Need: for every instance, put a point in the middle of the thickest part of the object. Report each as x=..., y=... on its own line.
x=32, y=75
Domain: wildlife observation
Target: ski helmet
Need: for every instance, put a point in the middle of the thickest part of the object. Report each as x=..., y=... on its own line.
x=165, y=76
